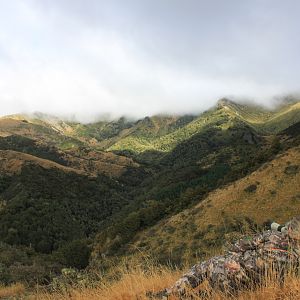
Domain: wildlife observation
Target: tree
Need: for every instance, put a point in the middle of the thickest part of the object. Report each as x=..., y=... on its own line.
x=75, y=254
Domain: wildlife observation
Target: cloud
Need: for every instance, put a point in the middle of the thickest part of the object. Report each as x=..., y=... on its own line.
x=144, y=57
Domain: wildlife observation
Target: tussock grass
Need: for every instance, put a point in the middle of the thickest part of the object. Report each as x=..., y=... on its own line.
x=14, y=290
x=135, y=281
x=135, y=286
x=276, y=198
x=128, y=283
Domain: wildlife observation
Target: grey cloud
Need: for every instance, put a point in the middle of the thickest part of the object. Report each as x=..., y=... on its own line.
x=144, y=57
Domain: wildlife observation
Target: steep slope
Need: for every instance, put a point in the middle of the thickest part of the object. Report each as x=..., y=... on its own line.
x=81, y=160
x=36, y=130
x=158, y=134
x=264, y=120
x=166, y=142
x=270, y=193
x=46, y=205
x=209, y=160
x=199, y=181
x=12, y=163
x=144, y=132
x=225, y=115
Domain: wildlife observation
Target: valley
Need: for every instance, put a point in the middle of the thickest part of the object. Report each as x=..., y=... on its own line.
x=85, y=196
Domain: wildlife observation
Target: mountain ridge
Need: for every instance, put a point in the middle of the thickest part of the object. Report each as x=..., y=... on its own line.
x=150, y=133
x=117, y=183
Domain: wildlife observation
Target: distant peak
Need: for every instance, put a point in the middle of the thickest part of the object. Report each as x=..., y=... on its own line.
x=224, y=102
x=145, y=120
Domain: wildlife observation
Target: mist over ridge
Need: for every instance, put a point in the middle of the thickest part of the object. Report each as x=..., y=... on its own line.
x=93, y=117
x=139, y=137
x=144, y=57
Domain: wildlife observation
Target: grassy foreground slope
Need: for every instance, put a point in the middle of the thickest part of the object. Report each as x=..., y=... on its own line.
x=133, y=283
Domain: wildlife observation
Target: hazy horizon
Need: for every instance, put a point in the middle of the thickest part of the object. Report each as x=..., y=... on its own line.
x=93, y=118
x=140, y=58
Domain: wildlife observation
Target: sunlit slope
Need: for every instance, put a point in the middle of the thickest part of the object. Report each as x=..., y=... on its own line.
x=165, y=143
x=262, y=119
x=48, y=137
x=160, y=133
x=145, y=132
x=101, y=134
x=225, y=115
x=284, y=118
x=271, y=192
x=37, y=130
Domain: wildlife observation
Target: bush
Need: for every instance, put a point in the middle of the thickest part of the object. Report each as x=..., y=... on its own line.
x=75, y=254
x=291, y=170
x=251, y=188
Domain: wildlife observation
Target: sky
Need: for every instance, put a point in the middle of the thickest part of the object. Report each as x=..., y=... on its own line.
x=83, y=59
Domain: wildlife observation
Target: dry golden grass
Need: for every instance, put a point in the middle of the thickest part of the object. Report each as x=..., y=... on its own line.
x=276, y=198
x=94, y=162
x=135, y=282
x=12, y=162
x=14, y=290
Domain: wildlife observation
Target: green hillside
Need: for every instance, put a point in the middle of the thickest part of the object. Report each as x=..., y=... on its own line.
x=267, y=121
x=225, y=115
x=108, y=187
x=270, y=193
x=159, y=133
x=38, y=130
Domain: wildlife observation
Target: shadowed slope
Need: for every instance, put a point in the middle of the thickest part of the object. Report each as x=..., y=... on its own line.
x=12, y=162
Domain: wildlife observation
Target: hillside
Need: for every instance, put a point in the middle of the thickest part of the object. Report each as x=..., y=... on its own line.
x=37, y=130
x=264, y=120
x=12, y=163
x=81, y=160
x=270, y=193
x=187, y=174
x=159, y=133
x=223, y=116
x=112, y=187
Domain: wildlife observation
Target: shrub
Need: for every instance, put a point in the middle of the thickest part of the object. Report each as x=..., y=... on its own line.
x=251, y=188
x=75, y=254
x=291, y=170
